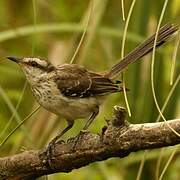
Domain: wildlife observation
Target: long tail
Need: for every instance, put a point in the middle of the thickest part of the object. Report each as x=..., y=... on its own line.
x=164, y=34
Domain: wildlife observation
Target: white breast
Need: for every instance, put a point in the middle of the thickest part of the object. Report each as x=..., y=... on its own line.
x=70, y=108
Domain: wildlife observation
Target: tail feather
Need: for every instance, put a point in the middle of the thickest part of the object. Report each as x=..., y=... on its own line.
x=164, y=34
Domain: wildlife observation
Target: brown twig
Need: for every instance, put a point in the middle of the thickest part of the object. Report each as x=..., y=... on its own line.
x=118, y=139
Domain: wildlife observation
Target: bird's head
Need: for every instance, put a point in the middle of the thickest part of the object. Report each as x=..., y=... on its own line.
x=33, y=67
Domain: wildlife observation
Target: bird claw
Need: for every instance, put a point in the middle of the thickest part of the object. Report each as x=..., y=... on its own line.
x=71, y=139
x=60, y=142
x=76, y=138
x=50, y=151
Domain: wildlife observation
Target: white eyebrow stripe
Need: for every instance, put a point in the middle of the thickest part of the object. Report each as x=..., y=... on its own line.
x=39, y=61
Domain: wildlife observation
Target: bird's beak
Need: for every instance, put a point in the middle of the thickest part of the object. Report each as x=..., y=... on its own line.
x=15, y=59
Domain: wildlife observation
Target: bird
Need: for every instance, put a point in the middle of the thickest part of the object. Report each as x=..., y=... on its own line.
x=72, y=91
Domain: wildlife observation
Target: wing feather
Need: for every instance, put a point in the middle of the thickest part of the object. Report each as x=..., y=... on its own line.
x=76, y=81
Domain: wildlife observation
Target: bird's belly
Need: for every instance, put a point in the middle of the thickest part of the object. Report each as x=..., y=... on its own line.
x=75, y=108
x=67, y=107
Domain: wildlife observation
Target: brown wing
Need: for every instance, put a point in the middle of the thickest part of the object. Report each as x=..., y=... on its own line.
x=75, y=81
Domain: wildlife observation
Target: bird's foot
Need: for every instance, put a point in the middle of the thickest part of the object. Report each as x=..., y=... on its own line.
x=76, y=139
x=50, y=150
x=60, y=142
x=73, y=139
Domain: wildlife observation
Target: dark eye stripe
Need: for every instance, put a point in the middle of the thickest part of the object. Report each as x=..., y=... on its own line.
x=48, y=68
x=33, y=63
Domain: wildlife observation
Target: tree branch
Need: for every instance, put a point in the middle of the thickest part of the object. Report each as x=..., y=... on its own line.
x=118, y=139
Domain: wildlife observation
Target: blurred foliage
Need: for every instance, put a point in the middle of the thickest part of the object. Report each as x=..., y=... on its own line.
x=57, y=41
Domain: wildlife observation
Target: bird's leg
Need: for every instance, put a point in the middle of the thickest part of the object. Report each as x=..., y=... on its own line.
x=88, y=123
x=91, y=119
x=55, y=140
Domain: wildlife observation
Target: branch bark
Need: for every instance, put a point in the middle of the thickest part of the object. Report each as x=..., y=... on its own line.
x=117, y=139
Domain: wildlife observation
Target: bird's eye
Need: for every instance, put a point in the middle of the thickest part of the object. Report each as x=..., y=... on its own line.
x=33, y=63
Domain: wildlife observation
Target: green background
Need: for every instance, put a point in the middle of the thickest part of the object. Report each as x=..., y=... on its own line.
x=60, y=24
